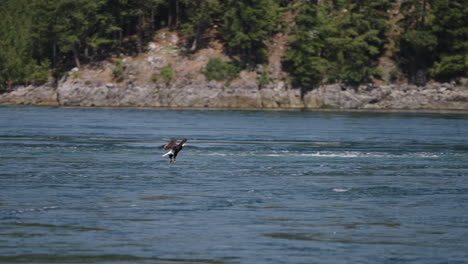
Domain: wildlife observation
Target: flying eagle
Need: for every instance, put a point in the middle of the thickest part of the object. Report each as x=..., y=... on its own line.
x=174, y=148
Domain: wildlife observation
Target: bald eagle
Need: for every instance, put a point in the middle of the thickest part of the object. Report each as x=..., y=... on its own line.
x=174, y=148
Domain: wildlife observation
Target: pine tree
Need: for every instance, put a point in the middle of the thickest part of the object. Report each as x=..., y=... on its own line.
x=450, y=26
x=247, y=26
x=201, y=15
x=331, y=40
x=304, y=60
x=417, y=43
x=336, y=41
x=16, y=62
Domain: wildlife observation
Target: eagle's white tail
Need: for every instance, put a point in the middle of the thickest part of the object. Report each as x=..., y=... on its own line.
x=170, y=152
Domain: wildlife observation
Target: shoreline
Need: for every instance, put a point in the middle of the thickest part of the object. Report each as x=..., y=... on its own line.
x=434, y=97
x=255, y=109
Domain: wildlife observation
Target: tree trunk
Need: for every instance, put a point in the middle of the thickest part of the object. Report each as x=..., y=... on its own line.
x=86, y=52
x=177, y=14
x=169, y=17
x=197, y=38
x=140, y=34
x=10, y=82
x=152, y=20
x=54, y=54
x=76, y=56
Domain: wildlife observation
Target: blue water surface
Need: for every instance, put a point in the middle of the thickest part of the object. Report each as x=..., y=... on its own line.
x=90, y=186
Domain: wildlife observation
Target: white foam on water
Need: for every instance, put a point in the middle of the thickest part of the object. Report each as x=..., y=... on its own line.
x=50, y=207
x=40, y=209
x=341, y=189
x=426, y=155
x=215, y=154
x=322, y=154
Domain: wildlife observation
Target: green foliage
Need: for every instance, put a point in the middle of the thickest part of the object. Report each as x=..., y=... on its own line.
x=433, y=39
x=167, y=73
x=450, y=66
x=338, y=43
x=16, y=62
x=394, y=75
x=450, y=26
x=40, y=73
x=200, y=17
x=154, y=77
x=76, y=25
x=247, y=25
x=329, y=41
x=263, y=79
x=75, y=75
x=417, y=41
x=118, y=69
x=220, y=70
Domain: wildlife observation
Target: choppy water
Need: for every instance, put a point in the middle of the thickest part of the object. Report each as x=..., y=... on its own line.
x=90, y=186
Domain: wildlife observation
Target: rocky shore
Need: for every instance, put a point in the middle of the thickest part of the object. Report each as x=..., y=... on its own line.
x=242, y=94
x=141, y=85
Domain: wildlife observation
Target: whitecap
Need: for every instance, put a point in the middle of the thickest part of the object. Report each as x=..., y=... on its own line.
x=341, y=189
x=211, y=154
x=50, y=207
x=316, y=154
x=321, y=154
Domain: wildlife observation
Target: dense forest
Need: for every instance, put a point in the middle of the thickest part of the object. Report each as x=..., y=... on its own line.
x=328, y=40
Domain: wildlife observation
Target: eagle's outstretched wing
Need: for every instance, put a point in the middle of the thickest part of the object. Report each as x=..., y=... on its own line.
x=169, y=145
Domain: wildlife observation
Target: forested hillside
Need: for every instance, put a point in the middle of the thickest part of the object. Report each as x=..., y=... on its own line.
x=328, y=40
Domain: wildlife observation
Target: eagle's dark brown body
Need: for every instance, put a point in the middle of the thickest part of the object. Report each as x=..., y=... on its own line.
x=174, y=149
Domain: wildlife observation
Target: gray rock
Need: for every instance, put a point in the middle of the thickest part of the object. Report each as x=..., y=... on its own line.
x=42, y=95
x=190, y=89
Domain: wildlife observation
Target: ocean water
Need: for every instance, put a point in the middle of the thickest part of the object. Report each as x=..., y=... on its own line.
x=90, y=186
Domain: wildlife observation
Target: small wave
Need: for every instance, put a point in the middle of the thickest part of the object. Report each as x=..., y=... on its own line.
x=325, y=154
x=352, y=154
x=65, y=227
x=160, y=198
x=317, y=154
x=341, y=189
x=26, y=210
x=215, y=154
x=426, y=155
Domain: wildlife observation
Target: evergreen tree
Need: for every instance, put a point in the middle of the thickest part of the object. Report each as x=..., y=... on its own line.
x=140, y=15
x=16, y=62
x=201, y=15
x=337, y=41
x=247, y=26
x=330, y=40
x=304, y=60
x=62, y=29
x=450, y=26
x=417, y=43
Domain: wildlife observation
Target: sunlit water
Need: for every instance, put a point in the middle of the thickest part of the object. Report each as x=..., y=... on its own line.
x=91, y=186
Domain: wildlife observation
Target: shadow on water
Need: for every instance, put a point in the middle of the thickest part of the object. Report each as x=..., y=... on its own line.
x=63, y=227
x=160, y=198
x=336, y=238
